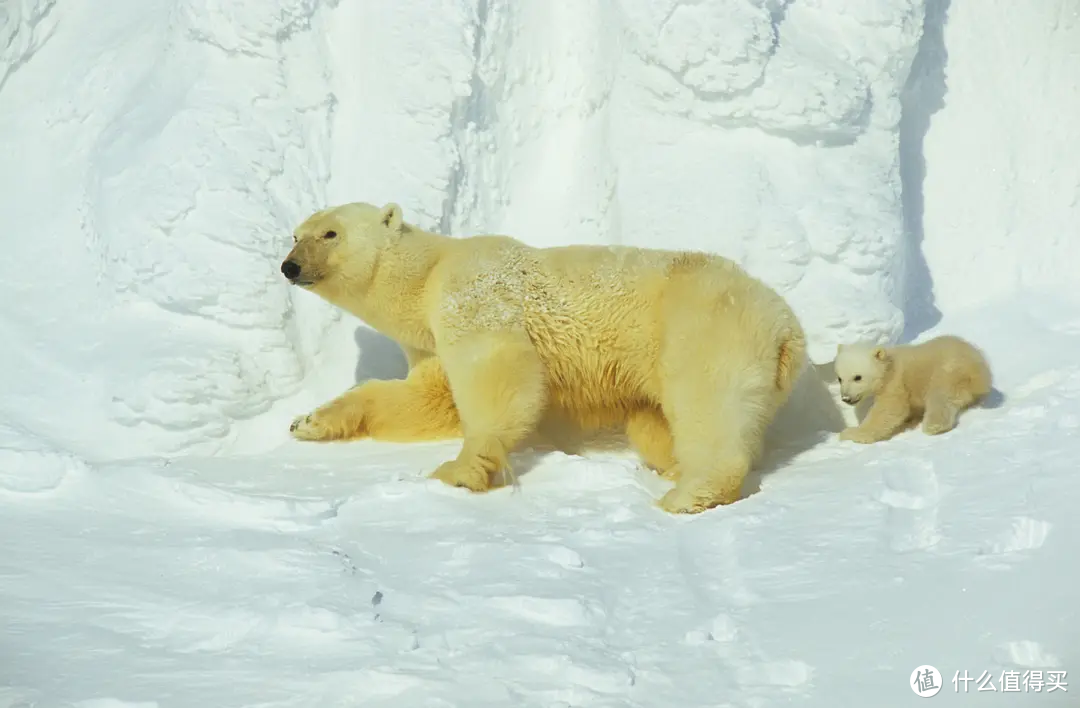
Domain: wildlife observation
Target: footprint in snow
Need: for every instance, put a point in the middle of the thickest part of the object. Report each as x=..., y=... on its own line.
x=1027, y=654
x=910, y=496
x=722, y=629
x=565, y=557
x=788, y=673
x=1025, y=534
x=557, y=612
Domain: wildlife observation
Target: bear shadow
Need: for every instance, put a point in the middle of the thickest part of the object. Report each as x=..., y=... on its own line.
x=993, y=400
x=811, y=416
x=380, y=357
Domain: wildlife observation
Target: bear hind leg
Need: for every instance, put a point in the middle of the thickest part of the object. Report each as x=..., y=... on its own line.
x=499, y=389
x=650, y=434
x=717, y=430
x=940, y=414
x=948, y=394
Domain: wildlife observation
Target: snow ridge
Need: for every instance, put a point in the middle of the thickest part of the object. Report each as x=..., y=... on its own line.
x=196, y=136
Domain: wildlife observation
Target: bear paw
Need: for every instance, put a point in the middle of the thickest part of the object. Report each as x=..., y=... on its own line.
x=461, y=474
x=308, y=427
x=937, y=425
x=694, y=501
x=857, y=435
x=672, y=473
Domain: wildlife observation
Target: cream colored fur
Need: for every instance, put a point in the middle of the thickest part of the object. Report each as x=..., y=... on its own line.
x=685, y=350
x=933, y=381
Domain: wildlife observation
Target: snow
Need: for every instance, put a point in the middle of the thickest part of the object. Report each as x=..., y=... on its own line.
x=897, y=168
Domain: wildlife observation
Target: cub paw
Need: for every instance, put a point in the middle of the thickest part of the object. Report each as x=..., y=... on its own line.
x=936, y=427
x=459, y=474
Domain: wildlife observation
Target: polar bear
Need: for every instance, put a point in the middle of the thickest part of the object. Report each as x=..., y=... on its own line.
x=685, y=351
x=934, y=380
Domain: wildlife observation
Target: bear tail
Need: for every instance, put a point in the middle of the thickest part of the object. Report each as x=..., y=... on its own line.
x=790, y=359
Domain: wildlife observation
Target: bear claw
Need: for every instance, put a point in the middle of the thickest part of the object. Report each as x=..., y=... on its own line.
x=306, y=427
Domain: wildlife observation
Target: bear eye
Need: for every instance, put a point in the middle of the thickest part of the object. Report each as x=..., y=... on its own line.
x=858, y=378
x=839, y=380
x=330, y=234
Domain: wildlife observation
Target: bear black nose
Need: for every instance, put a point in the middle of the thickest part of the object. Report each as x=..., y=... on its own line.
x=290, y=269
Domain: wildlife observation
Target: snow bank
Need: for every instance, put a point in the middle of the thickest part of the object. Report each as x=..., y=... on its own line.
x=338, y=575
x=1002, y=207
x=166, y=150
x=156, y=157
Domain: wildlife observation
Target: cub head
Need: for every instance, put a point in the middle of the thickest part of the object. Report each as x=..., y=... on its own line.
x=861, y=370
x=340, y=247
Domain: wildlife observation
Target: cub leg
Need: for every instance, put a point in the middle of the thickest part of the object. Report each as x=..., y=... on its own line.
x=885, y=418
x=941, y=414
x=418, y=408
x=650, y=434
x=499, y=389
x=948, y=393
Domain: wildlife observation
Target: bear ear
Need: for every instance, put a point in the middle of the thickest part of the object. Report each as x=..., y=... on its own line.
x=879, y=353
x=839, y=347
x=390, y=217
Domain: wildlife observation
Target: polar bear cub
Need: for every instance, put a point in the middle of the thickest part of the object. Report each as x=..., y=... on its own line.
x=934, y=381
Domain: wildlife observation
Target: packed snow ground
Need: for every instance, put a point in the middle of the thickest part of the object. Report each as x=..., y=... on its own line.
x=890, y=165
x=338, y=575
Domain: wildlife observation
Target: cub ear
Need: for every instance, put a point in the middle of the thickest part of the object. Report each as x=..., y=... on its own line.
x=839, y=347
x=879, y=353
x=390, y=217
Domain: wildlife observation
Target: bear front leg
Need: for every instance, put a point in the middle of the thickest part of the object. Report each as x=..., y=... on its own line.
x=419, y=408
x=499, y=389
x=340, y=419
x=884, y=419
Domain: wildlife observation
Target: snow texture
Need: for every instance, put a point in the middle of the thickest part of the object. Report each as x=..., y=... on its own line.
x=896, y=168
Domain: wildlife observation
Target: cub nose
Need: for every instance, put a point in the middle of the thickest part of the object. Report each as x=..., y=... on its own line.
x=290, y=269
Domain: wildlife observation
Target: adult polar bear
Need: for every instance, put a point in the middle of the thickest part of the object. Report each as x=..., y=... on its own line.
x=686, y=350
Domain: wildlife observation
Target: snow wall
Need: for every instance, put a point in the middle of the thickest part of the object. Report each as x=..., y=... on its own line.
x=157, y=156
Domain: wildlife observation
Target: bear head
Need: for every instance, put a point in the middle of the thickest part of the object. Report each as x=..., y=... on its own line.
x=861, y=369
x=338, y=249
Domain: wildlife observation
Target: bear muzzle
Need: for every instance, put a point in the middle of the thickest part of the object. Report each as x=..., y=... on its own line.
x=292, y=270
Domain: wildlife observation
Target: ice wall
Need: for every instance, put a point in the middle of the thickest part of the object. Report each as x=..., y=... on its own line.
x=1002, y=187
x=766, y=131
x=158, y=155
x=155, y=159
